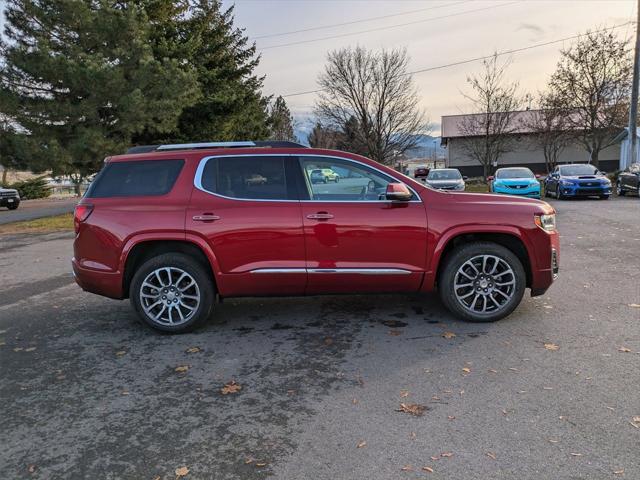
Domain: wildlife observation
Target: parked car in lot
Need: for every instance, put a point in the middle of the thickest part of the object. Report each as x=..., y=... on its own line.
x=445, y=179
x=629, y=180
x=176, y=227
x=577, y=180
x=324, y=175
x=9, y=198
x=421, y=172
x=515, y=181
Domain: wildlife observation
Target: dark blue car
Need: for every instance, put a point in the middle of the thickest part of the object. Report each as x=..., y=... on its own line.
x=577, y=180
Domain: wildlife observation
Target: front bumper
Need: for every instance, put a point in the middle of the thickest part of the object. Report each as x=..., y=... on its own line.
x=532, y=192
x=576, y=190
x=9, y=201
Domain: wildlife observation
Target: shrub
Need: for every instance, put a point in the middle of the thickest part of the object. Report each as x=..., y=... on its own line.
x=34, y=188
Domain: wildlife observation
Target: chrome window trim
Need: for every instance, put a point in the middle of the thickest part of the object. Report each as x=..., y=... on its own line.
x=183, y=146
x=197, y=180
x=354, y=271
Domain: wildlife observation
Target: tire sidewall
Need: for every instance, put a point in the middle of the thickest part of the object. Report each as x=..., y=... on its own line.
x=458, y=257
x=189, y=265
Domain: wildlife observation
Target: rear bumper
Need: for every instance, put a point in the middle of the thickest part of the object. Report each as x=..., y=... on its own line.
x=107, y=284
x=9, y=202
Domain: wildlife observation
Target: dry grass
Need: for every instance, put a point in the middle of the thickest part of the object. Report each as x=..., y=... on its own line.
x=59, y=223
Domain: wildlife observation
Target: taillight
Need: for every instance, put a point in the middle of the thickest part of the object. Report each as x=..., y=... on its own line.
x=80, y=214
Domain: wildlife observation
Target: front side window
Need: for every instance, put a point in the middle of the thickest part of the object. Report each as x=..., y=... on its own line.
x=334, y=179
x=248, y=178
x=136, y=178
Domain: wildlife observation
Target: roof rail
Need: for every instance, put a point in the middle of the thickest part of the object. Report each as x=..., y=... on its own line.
x=202, y=145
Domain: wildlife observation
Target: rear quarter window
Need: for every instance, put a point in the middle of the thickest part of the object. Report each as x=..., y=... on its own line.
x=136, y=178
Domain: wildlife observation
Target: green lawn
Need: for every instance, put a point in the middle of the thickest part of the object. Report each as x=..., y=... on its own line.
x=59, y=223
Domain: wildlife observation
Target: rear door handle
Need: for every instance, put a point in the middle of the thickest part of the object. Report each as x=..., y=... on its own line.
x=320, y=216
x=206, y=217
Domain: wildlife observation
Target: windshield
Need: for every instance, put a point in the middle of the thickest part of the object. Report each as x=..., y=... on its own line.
x=515, y=173
x=444, y=175
x=575, y=170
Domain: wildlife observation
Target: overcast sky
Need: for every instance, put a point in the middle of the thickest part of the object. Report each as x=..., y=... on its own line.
x=439, y=32
x=490, y=25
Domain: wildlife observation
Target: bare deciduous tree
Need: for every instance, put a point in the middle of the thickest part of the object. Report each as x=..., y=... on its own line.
x=550, y=127
x=375, y=89
x=490, y=129
x=593, y=81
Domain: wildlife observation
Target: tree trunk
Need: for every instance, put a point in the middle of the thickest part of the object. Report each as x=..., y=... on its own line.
x=594, y=158
x=5, y=171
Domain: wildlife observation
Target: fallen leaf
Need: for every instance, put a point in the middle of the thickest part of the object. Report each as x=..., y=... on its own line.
x=18, y=349
x=491, y=455
x=621, y=349
x=553, y=441
x=354, y=401
x=551, y=346
x=446, y=454
x=362, y=444
x=407, y=468
x=230, y=387
x=451, y=417
x=120, y=353
x=636, y=419
x=619, y=472
x=182, y=368
x=412, y=409
x=404, y=393
x=124, y=392
x=30, y=349
x=395, y=333
x=575, y=454
x=427, y=469
x=31, y=468
x=466, y=370
x=547, y=388
x=435, y=458
x=181, y=472
x=513, y=369
x=449, y=335
x=249, y=460
x=328, y=341
x=492, y=370
x=634, y=305
x=192, y=350
x=413, y=435
x=261, y=464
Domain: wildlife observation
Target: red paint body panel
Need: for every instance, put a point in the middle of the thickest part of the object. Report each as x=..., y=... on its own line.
x=256, y=235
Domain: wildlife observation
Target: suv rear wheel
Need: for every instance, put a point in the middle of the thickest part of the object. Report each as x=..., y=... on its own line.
x=172, y=293
x=482, y=282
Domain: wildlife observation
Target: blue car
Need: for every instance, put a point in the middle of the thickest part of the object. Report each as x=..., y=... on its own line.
x=577, y=180
x=515, y=181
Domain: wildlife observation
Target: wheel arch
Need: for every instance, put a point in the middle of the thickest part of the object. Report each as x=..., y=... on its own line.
x=509, y=238
x=138, y=252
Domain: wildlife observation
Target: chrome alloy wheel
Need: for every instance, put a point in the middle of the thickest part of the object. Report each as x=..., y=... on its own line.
x=484, y=284
x=169, y=296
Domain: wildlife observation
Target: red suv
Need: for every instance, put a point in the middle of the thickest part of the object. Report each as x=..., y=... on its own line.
x=177, y=227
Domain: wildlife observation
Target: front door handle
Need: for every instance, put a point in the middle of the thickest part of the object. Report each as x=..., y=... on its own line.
x=206, y=217
x=320, y=216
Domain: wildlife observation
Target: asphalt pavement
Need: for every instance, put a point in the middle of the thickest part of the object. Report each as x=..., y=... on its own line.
x=88, y=392
x=33, y=209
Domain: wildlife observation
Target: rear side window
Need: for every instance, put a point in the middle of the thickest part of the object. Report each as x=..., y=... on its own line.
x=138, y=178
x=251, y=178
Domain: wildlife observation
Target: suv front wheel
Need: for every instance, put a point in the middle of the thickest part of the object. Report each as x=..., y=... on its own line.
x=172, y=293
x=482, y=282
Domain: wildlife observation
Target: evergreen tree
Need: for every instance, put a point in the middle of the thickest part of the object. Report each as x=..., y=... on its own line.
x=80, y=78
x=281, y=121
x=200, y=34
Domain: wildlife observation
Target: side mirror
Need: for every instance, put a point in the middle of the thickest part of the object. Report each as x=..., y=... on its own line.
x=398, y=192
x=490, y=178
x=465, y=178
x=538, y=176
x=603, y=173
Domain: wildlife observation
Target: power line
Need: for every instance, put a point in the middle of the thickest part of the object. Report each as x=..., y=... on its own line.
x=370, y=19
x=498, y=54
x=385, y=28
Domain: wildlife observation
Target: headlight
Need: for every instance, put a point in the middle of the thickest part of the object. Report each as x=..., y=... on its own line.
x=546, y=222
x=460, y=186
x=565, y=182
x=606, y=181
x=533, y=184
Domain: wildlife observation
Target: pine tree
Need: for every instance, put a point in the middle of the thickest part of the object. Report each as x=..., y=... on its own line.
x=200, y=34
x=281, y=121
x=81, y=79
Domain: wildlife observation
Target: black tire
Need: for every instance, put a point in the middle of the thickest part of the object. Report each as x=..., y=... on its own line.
x=324, y=180
x=183, y=262
x=559, y=195
x=604, y=197
x=466, y=252
x=619, y=190
x=337, y=179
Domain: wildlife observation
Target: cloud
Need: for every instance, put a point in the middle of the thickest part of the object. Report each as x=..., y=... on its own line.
x=531, y=28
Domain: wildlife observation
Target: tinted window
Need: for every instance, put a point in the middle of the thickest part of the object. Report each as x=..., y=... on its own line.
x=353, y=181
x=515, y=173
x=575, y=170
x=140, y=178
x=256, y=178
x=444, y=175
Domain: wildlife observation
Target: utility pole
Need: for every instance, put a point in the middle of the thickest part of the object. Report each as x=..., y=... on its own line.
x=633, y=108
